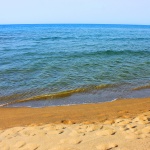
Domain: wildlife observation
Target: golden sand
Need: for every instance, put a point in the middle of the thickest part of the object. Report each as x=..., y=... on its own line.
x=11, y=117
x=118, y=125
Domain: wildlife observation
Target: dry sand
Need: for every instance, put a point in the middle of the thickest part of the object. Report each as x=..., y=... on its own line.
x=118, y=125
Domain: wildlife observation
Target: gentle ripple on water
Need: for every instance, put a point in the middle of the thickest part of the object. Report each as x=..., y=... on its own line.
x=39, y=60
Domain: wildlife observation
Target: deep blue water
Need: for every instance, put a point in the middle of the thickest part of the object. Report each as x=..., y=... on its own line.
x=88, y=63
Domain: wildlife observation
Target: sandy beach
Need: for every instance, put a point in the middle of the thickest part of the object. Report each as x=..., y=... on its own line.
x=118, y=125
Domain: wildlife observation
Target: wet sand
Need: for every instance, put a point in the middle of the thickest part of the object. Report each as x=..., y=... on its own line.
x=118, y=125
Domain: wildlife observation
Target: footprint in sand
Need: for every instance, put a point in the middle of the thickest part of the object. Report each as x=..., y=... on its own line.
x=131, y=126
x=70, y=141
x=122, y=122
x=64, y=148
x=106, y=146
x=30, y=146
x=109, y=122
x=91, y=128
x=47, y=128
x=7, y=133
x=61, y=132
x=88, y=128
x=28, y=133
x=105, y=132
x=142, y=119
x=123, y=128
x=68, y=122
x=143, y=136
x=19, y=144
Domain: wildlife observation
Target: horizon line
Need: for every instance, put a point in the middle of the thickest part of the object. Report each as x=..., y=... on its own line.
x=72, y=24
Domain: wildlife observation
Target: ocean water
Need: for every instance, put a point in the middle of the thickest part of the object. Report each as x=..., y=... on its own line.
x=47, y=65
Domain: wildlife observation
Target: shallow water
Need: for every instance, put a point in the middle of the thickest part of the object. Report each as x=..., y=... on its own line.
x=43, y=65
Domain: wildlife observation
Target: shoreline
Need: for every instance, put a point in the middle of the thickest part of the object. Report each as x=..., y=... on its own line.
x=95, y=112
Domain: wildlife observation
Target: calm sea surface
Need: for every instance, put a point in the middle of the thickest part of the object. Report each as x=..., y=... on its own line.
x=42, y=65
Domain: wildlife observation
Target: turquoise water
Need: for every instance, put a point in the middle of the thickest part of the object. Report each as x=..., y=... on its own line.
x=42, y=65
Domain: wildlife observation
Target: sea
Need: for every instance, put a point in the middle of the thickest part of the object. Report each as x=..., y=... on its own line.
x=65, y=64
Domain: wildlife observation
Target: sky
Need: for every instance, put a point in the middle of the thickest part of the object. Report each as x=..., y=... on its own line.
x=75, y=11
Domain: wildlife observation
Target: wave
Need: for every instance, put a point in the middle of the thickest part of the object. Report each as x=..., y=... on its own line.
x=55, y=38
x=129, y=39
x=122, y=52
x=141, y=87
x=59, y=94
x=109, y=53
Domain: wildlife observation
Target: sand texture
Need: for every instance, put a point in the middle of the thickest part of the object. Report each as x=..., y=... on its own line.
x=121, y=134
x=124, y=129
